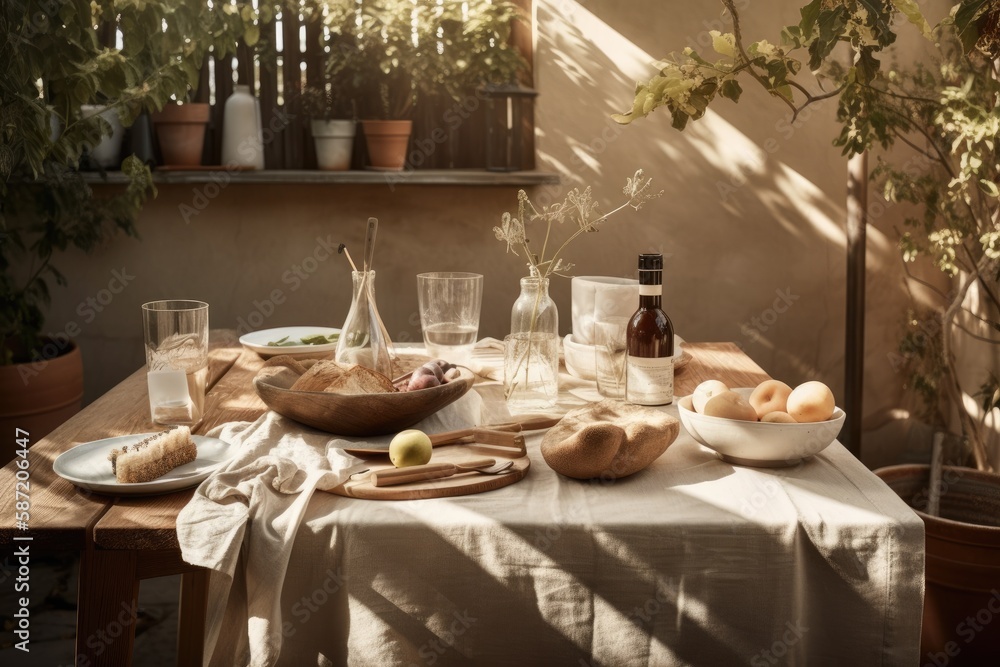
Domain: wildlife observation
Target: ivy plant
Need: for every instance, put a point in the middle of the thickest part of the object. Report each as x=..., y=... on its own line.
x=54, y=62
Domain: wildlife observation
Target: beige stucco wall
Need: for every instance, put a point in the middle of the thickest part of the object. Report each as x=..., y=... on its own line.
x=753, y=209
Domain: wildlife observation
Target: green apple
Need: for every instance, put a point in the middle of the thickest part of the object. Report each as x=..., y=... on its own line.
x=410, y=448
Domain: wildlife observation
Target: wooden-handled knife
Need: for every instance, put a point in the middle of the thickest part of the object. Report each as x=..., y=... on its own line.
x=426, y=472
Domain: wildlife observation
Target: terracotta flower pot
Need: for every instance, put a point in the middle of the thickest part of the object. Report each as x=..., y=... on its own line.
x=181, y=131
x=387, y=141
x=961, y=624
x=39, y=396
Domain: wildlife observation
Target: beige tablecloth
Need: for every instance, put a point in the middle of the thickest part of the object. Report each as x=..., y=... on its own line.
x=692, y=561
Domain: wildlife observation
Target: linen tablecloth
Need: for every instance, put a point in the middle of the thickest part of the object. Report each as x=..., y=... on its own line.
x=691, y=561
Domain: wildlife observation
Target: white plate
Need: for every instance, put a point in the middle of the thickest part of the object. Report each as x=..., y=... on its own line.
x=581, y=362
x=258, y=341
x=87, y=466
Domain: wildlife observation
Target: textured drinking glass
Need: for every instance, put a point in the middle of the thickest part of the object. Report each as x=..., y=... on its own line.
x=609, y=352
x=449, y=313
x=176, y=337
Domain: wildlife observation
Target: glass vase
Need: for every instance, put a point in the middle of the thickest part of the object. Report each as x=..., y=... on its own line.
x=531, y=351
x=363, y=338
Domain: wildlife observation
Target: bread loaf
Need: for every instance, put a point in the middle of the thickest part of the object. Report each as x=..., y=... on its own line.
x=360, y=380
x=608, y=440
x=320, y=376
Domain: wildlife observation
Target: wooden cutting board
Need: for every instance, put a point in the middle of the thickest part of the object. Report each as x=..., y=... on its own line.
x=463, y=484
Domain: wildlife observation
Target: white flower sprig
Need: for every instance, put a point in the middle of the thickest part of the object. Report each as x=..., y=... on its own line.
x=579, y=207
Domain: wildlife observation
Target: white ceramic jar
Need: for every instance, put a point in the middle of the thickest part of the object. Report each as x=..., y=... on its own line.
x=242, y=138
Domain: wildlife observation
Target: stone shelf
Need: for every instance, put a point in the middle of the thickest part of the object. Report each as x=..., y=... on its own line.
x=312, y=176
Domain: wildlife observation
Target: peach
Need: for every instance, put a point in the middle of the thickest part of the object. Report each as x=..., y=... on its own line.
x=705, y=391
x=770, y=396
x=811, y=402
x=778, y=417
x=730, y=405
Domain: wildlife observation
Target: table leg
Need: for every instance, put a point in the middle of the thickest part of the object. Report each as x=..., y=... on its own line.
x=107, y=608
x=192, y=617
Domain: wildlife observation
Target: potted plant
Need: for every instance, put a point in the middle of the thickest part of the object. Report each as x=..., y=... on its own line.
x=947, y=118
x=332, y=126
x=107, y=153
x=191, y=30
x=53, y=66
x=411, y=50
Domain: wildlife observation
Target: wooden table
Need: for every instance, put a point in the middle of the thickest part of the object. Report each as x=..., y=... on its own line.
x=123, y=540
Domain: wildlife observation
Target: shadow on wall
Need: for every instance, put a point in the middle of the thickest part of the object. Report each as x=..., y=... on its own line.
x=752, y=217
x=756, y=249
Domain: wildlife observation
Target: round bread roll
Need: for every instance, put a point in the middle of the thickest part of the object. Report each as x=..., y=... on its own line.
x=608, y=440
x=778, y=417
x=704, y=391
x=770, y=396
x=730, y=405
x=811, y=402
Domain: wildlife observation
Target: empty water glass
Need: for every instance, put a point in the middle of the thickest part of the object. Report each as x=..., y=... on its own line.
x=609, y=352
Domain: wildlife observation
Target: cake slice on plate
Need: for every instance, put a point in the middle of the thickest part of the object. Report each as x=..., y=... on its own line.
x=153, y=456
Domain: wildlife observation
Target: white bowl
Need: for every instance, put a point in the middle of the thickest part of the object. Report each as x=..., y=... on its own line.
x=759, y=444
x=621, y=301
x=581, y=360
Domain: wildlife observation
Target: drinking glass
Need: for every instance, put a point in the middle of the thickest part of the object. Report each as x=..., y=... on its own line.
x=449, y=313
x=176, y=338
x=609, y=351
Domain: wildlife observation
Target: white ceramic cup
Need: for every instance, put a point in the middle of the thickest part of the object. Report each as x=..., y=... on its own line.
x=619, y=297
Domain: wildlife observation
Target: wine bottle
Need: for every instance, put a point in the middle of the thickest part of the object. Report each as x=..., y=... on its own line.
x=649, y=375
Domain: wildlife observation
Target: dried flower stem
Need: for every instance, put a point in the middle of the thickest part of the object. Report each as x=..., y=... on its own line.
x=579, y=207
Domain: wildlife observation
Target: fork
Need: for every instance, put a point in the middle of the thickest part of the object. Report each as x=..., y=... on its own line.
x=430, y=471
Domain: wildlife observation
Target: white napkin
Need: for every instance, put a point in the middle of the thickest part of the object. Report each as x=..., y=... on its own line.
x=266, y=487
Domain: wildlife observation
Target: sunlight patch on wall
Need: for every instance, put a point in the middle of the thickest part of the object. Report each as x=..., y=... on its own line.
x=593, y=56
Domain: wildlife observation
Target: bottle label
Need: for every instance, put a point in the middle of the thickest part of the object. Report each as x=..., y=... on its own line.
x=649, y=381
x=650, y=290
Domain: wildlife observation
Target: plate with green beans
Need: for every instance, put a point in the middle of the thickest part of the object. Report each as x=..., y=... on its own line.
x=315, y=342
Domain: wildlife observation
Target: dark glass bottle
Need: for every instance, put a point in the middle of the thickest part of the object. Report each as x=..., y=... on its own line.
x=649, y=377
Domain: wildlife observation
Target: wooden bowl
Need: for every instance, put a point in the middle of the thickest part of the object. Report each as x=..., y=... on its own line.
x=358, y=415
